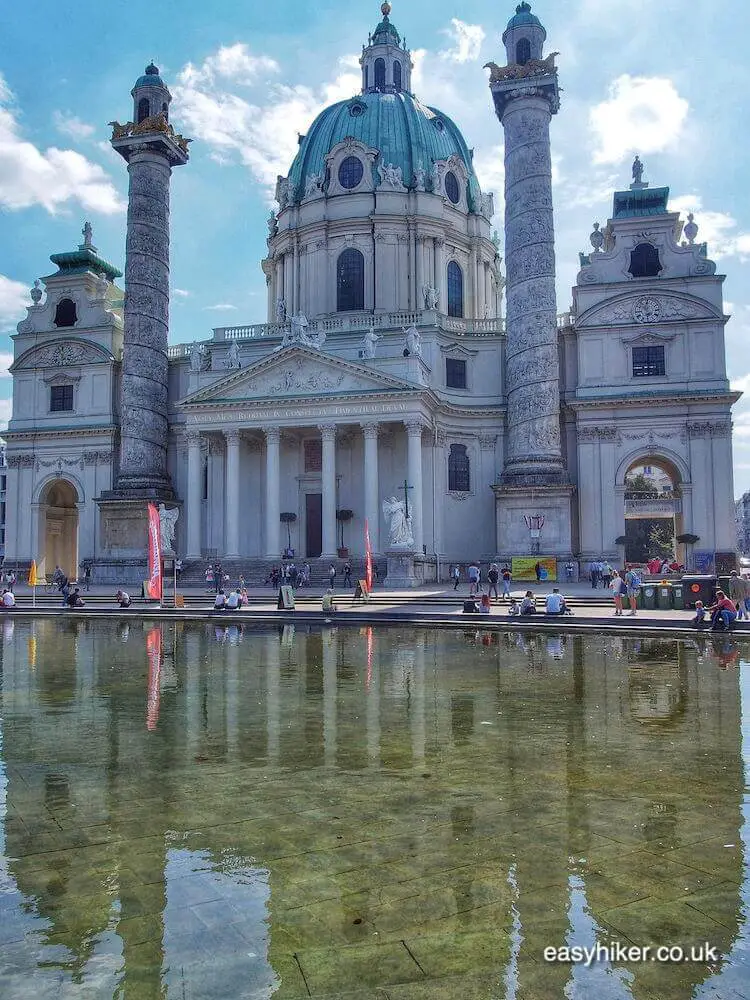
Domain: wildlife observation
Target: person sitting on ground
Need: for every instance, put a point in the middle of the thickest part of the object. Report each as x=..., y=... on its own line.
x=554, y=603
x=528, y=604
x=514, y=608
x=233, y=601
x=327, y=603
x=484, y=604
x=9, y=598
x=221, y=601
x=723, y=612
x=122, y=599
x=75, y=600
x=700, y=615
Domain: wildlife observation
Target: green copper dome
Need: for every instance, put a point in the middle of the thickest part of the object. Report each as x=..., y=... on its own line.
x=406, y=133
x=151, y=78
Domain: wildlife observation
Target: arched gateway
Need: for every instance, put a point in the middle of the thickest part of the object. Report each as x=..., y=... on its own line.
x=58, y=526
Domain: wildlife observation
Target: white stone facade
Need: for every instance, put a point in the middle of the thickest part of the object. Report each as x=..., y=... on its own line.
x=325, y=409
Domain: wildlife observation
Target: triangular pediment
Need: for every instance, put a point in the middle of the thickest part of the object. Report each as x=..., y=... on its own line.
x=294, y=373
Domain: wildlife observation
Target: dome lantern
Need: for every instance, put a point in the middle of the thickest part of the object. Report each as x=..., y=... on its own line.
x=524, y=36
x=385, y=61
x=151, y=95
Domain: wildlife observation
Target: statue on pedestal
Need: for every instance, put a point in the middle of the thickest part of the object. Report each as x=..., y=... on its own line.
x=400, y=532
x=167, y=525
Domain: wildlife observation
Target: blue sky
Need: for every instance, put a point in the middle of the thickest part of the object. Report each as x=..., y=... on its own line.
x=662, y=79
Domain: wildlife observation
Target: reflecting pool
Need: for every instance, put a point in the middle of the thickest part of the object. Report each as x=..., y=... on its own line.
x=192, y=812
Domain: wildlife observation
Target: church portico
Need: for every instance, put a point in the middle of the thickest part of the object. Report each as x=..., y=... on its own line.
x=306, y=469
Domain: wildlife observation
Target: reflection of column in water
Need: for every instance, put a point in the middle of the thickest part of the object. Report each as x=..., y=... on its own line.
x=232, y=691
x=330, y=659
x=273, y=699
x=372, y=705
x=417, y=703
x=193, y=659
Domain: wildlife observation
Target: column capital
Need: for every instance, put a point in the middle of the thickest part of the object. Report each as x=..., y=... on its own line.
x=328, y=431
x=273, y=434
x=371, y=430
x=193, y=439
x=233, y=436
x=414, y=426
x=487, y=442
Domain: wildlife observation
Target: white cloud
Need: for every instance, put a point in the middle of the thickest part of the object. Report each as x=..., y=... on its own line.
x=180, y=293
x=262, y=135
x=641, y=114
x=220, y=307
x=50, y=178
x=14, y=297
x=233, y=63
x=467, y=39
x=6, y=360
x=72, y=125
x=718, y=229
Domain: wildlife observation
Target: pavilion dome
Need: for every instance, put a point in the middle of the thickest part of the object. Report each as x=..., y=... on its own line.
x=406, y=133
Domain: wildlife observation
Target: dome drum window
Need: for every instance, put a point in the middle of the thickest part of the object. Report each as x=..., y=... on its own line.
x=451, y=187
x=459, y=470
x=455, y=290
x=350, y=281
x=351, y=172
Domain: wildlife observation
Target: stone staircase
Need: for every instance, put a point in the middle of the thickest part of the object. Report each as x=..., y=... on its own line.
x=257, y=571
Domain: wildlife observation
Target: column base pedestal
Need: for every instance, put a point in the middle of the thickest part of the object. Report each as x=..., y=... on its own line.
x=123, y=547
x=400, y=574
x=515, y=502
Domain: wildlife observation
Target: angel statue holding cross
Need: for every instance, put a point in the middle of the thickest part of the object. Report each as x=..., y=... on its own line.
x=399, y=530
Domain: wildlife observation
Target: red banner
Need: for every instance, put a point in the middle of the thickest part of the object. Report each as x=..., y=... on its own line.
x=154, y=582
x=154, y=655
x=368, y=558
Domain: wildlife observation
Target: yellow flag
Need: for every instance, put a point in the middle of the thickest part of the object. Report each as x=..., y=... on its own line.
x=32, y=651
x=32, y=574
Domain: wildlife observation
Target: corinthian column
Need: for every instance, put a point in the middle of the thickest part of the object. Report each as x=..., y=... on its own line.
x=273, y=436
x=414, y=465
x=372, y=488
x=194, y=495
x=525, y=107
x=328, y=476
x=232, y=534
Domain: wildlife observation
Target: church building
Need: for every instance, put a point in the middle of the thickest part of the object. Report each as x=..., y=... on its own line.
x=386, y=366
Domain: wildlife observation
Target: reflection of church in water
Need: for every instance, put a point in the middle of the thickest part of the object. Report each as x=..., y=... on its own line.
x=385, y=357
x=273, y=806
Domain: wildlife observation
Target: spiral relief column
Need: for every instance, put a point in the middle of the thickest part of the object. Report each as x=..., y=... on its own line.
x=534, y=479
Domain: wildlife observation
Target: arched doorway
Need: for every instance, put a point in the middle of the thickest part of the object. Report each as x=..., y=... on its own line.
x=653, y=511
x=58, y=527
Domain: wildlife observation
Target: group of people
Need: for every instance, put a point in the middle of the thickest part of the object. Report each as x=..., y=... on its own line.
x=659, y=565
x=624, y=586
x=495, y=577
x=288, y=575
x=554, y=604
x=726, y=608
x=232, y=601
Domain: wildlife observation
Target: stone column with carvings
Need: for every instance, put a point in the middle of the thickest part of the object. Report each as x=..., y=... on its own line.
x=328, y=476
x=525, y=107
x=414, y=466
x=273, y=483
x=151, y=155
x=372, y=487
x=232, y=494
x=194, y=495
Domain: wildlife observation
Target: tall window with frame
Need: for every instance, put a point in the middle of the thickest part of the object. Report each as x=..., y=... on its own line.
x=350, y=281
x=455, y=373
x=459, y=469
x=397, y=79
x=648, y=362
x=455, y=290
x=380, y=74
x=61, y=398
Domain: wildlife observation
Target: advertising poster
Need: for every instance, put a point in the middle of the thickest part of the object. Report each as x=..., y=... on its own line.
x=525, y=568
x=703, y=562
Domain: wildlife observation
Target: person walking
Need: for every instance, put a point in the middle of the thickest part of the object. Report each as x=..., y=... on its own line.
x=632, y=585
x=347, y=574
x=738, y=592
x=617, y=586
x=331, y=576
x=594, y=573
x=87, y=577
x=455, y=576
x=507, y=577
x=606, y=574
x=492, y=578
x=473, y=574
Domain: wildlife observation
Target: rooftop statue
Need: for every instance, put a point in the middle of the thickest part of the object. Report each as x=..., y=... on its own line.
x=520, y=71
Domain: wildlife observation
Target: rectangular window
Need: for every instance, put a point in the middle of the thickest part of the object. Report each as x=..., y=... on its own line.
x=455, y=373
x=648, y=361
x=60, y=398
x=313, y=455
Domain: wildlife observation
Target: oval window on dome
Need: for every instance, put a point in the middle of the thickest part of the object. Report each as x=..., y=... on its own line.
x=439, y=124
x=356, y=110
x=451, y=187
x=351, y=172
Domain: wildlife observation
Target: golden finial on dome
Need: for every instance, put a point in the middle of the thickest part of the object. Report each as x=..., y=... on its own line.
x=385, y=9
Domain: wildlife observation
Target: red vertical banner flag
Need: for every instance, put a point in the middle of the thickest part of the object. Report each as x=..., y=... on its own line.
x=154, y=655
x=368, y=558
x=154, y=581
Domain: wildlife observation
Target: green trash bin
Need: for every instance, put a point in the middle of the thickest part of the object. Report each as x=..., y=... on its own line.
x=664, y=599
x=647, y=596
x=677, y=595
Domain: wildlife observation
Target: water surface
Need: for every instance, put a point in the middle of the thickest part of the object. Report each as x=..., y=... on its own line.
x=189, y=811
